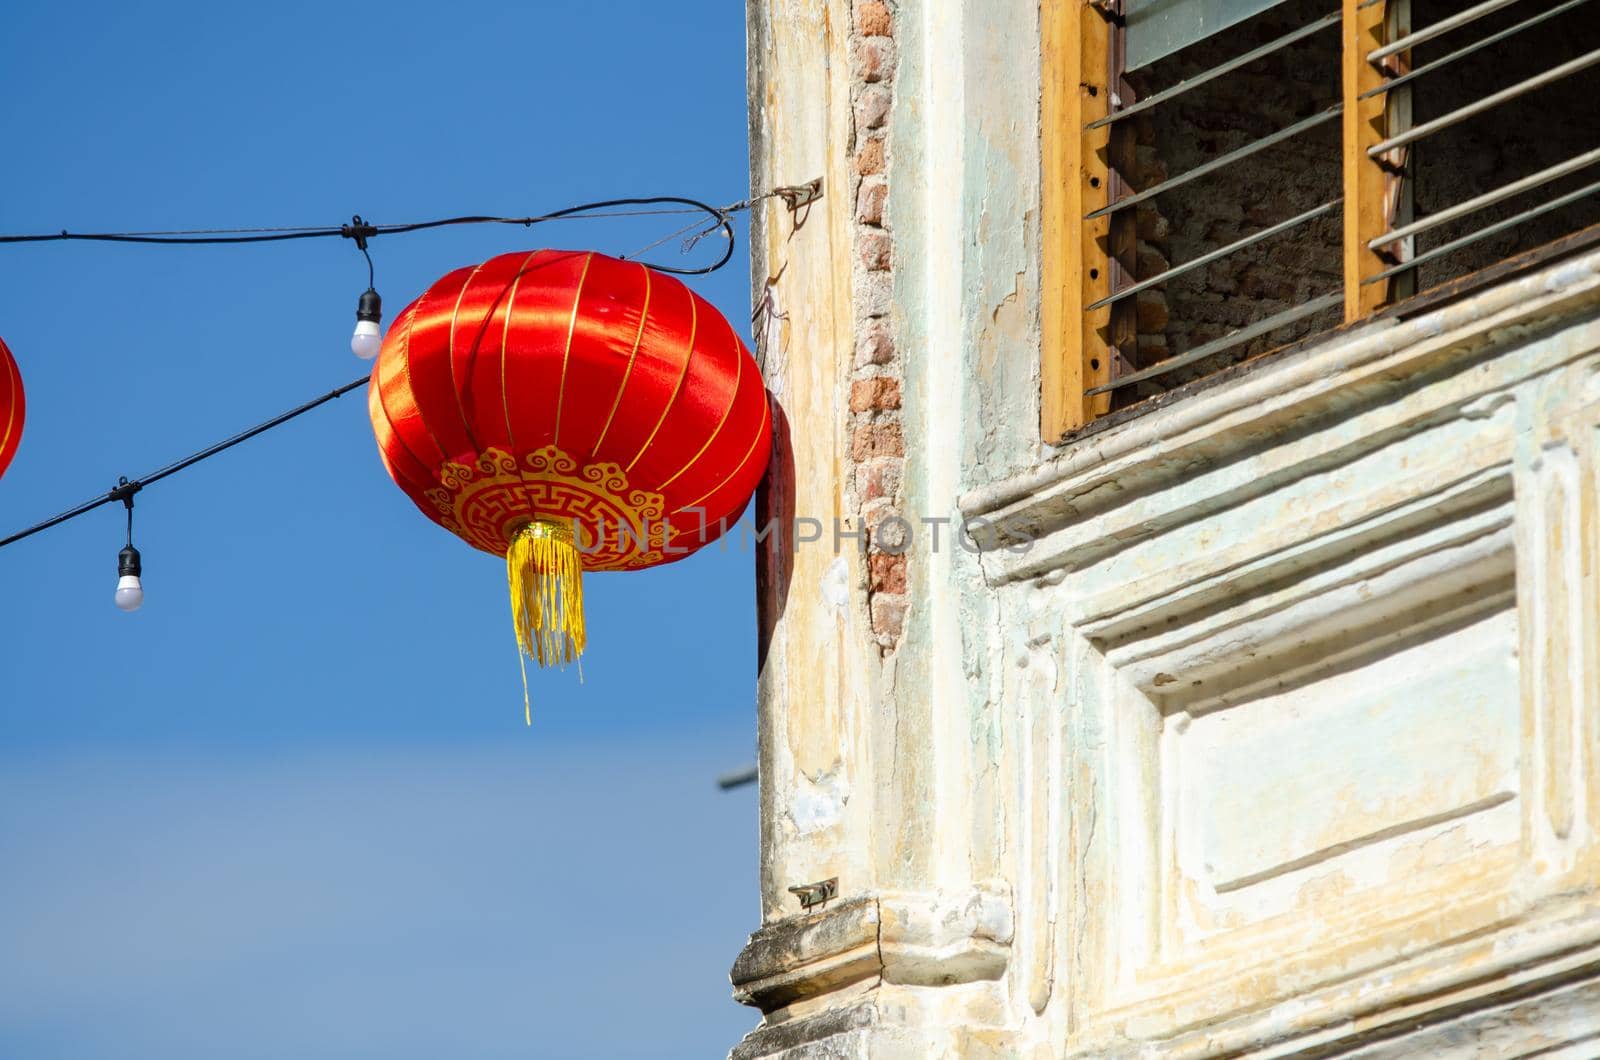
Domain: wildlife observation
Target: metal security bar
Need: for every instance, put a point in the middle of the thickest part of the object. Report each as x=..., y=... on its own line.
x=1221, y=162
x=1394, y=240
x=1489, y=198
x=1499, y=226
x=1494, y=38
x=1220, y=253
x=1094, y=281
x=1487, y=103
x=1125, y=286
x=1229, y=341
x=1438, y=29
x=1217, y=71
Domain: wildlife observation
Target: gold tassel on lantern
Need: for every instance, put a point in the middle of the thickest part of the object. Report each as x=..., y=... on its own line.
x=546, y=576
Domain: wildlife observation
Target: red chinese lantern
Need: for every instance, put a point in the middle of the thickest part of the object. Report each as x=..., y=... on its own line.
x=12, y=406
x=569, y=412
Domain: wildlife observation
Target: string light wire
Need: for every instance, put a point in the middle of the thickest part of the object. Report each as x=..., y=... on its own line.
x=796, y=198
x=126, y=487
x=361, y=231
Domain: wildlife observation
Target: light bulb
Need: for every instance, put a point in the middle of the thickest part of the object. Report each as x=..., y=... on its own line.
x=130, y=593
x=368, y=338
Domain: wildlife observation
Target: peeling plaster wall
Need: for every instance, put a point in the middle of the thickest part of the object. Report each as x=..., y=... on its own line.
x=1302, y=687
x=964, y=195
x=969, y=171
x=1278, y=739
x=819, y=669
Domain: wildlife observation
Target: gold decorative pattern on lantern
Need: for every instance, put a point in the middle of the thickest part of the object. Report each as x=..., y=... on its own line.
x=487, y=502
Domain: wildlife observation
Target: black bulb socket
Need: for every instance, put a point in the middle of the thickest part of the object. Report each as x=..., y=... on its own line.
x=370, y=307
x=128, y=562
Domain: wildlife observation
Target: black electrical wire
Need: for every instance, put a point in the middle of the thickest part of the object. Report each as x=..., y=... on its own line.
x=126, y=488
x=795, y=197
x=361, y=231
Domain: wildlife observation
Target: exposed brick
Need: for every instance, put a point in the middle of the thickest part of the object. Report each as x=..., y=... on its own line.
x=1221, y=208
x=886, y=573
x=869, y=160
x=872, y=107
x=874, y=512
x=874, y=59
x=878, y=392
x=878, y=447
x=880, y=478
x=889, y=614
x=872, y=18
x=874, y=344
x=1147, y=168
x=874, y=293
x=870, y=199
x=1151, y=261
x=1152, y=224
x=1152, y=310
x=1263, y=213
x=877, y=439
x=872, y=245
x=1219, y=284
x=891, y=534
x=1265, y=283
x=1196, y=129
x=1152, y=348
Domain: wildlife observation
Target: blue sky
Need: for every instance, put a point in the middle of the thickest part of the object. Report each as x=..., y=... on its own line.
x=290, y=806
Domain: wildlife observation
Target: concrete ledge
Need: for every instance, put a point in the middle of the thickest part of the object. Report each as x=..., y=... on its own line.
x=839, y=1033
x=804, y=956
x=932, y=942
x=910, y=939
x=1180, y=442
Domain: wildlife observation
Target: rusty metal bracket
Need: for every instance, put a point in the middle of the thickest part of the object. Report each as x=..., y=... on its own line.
x=1110, y=10
x=799, y=196
x=812, y=894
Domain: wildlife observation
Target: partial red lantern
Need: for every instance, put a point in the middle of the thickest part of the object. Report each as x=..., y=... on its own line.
x=569, y=411
x=12, y=406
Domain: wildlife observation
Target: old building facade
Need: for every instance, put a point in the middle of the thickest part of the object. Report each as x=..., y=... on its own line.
x=1214, y=671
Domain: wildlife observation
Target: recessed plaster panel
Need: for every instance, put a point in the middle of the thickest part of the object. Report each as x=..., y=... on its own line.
x=1343, y=777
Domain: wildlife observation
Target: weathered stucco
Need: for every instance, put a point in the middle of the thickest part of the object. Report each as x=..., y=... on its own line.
x=816, y=662
x=1278, y=738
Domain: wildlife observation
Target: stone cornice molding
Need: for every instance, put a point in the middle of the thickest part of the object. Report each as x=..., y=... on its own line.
x=1247, y=412
x=911, y=939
